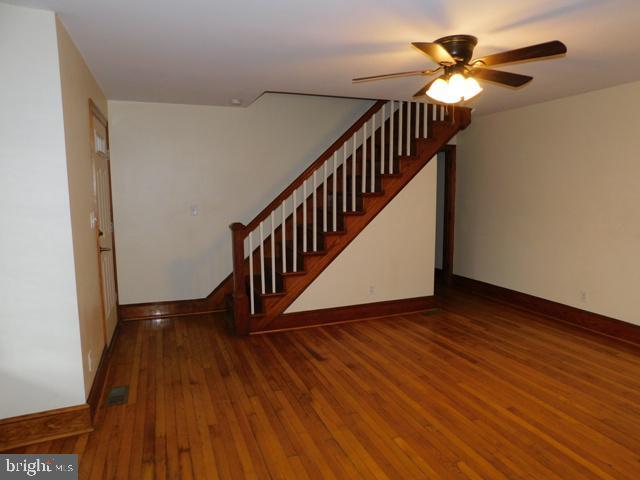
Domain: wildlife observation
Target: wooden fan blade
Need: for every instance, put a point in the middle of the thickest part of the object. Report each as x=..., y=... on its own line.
x=436, y=51
x=423, y=90
x=498, y=76
x=391, y=75
x=533, y=52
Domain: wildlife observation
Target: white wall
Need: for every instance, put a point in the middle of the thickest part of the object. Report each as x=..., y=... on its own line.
x=40, y=358
x=394, y=254
x=548, y=201
x=228, y=161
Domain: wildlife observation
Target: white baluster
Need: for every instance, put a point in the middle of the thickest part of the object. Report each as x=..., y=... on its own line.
x=373, y=152
x=392, y=149
x=262, y=258
x=315, y=213
x=335, y=187
x=294, y=227
x=364, y=159
x=383, y=150
x=324, y=197
x=434, y=112
x=344, y=177
x=442, y=112
x=304, y=216
x=408, y=149
x=400, y=129
x=253, y=307
x=424, y=120
x=283, y=239
x=273, y=252
x=417, y=126
x=353, y=173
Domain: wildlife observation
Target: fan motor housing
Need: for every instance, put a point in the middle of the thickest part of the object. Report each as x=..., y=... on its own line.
x=459, y=46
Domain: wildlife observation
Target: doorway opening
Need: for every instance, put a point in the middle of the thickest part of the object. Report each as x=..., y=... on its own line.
x=445, y=214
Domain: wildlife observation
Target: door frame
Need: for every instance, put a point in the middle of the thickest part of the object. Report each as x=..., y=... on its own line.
x=448, y=230
x=95, y=113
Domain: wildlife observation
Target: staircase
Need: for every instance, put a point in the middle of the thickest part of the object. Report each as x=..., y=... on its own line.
x=287, y=245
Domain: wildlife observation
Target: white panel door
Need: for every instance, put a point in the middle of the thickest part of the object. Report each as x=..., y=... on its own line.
x=104, y=225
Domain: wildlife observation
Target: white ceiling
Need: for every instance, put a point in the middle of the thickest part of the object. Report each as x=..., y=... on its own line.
x=209, y=51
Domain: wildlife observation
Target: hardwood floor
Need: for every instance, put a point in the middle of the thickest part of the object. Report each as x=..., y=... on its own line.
x=473, y=390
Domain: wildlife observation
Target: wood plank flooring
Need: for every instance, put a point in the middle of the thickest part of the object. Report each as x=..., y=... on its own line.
x=473, y=390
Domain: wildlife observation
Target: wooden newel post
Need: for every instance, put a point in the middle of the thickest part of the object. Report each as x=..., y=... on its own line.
x=240, y=299
x=465, y=114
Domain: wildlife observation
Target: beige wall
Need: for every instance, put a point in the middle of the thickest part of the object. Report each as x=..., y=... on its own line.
x=228, y=161
x=392, y=258
x=78, y=86
x=40, y=352
x=548, y=201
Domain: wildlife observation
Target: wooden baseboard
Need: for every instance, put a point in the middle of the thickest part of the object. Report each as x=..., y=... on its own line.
x=594, y=322
x=214, y=302
x=325, y=316
x=44, y=426
x=62, y=422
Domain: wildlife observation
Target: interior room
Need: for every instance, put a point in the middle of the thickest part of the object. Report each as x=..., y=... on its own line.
x=319, y=240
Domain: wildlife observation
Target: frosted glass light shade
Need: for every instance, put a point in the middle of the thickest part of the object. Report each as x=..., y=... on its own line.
x=457, y=85
x=454, y=90
x=471, y=88
x=441, y=92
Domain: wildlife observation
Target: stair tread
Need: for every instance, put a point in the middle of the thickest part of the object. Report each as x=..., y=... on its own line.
x=292, y=274
x=271, y=294
x=316, y=252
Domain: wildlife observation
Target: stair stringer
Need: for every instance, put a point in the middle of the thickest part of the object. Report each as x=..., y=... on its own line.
x=373, y=204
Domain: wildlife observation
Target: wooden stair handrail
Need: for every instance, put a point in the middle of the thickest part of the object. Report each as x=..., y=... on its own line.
x=286, y=193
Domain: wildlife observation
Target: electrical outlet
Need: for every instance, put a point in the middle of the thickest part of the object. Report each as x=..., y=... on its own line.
x=372, y=290
x=583, y=296
x=194, y=210
x=90, y=361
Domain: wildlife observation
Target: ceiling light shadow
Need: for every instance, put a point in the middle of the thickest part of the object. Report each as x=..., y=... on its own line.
x=557, y=12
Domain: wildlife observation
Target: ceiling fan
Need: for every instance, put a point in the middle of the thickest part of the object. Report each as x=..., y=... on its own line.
x=458, y=81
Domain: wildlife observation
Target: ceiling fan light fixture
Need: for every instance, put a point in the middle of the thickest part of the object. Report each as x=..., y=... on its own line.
x=454, y=55
x=454, y=90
